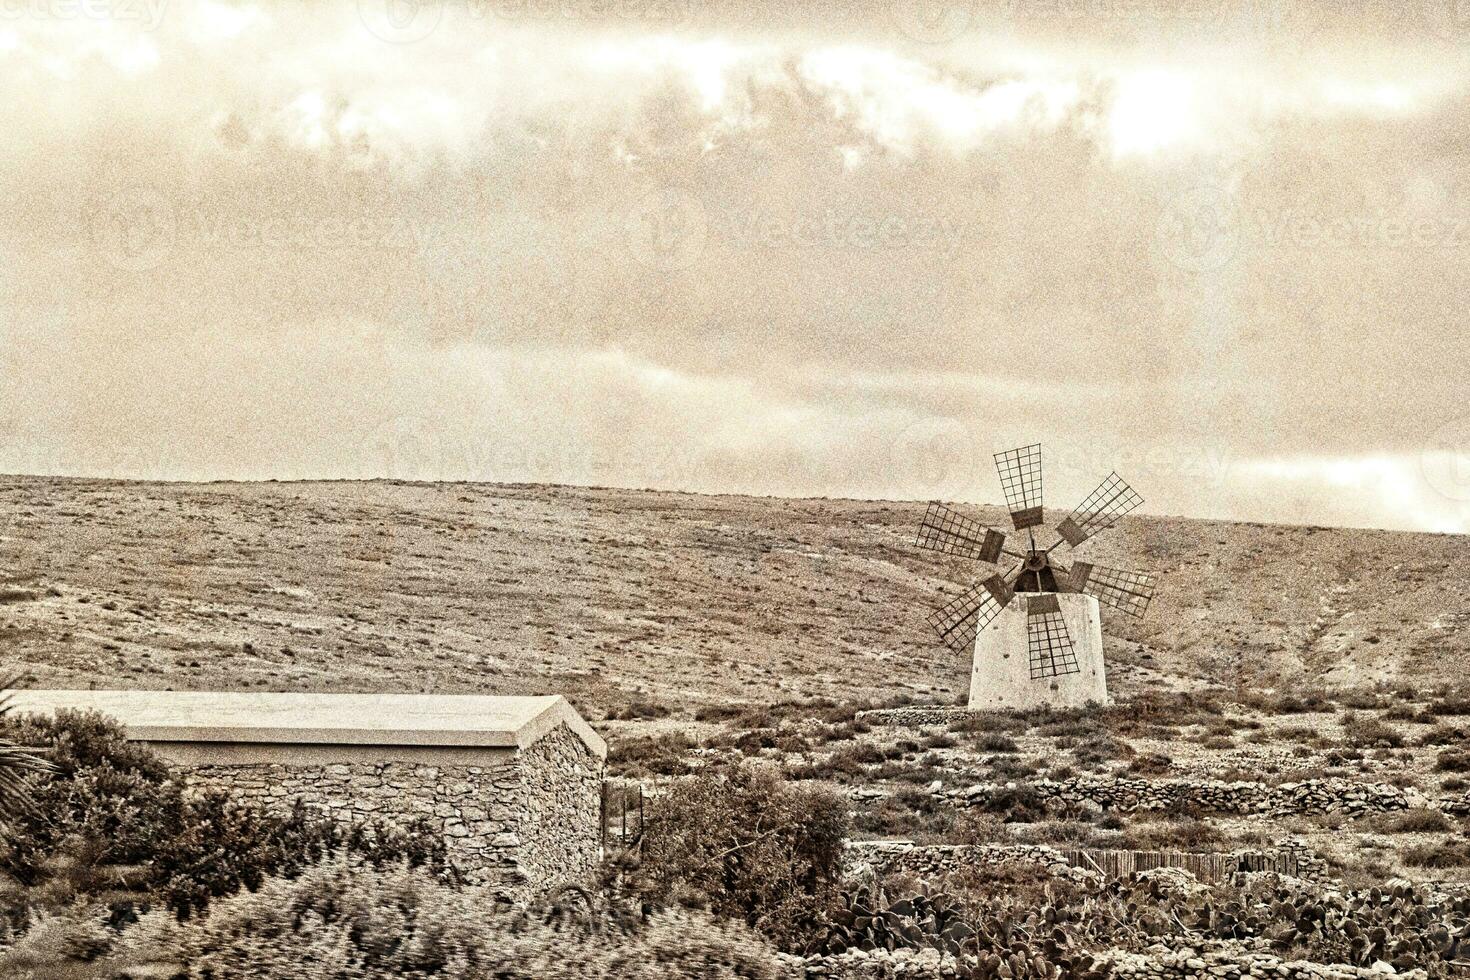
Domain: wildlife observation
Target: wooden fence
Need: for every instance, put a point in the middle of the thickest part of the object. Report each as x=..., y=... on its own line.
x=1206, y=867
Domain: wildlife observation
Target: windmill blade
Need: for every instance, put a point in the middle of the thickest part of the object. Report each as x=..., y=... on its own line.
x=1048, y=644
x=1101, y=510
x=952, y=533
x=1020, y=480
x=961, y=620
x=1126, y=591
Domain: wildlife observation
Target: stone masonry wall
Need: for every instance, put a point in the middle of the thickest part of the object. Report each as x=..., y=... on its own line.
x=938, y=860
x=1121, y=793
x=521, y=823
x=560, y=832
x=930, y=964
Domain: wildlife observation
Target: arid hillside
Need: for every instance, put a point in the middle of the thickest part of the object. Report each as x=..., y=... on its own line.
x=620, y=596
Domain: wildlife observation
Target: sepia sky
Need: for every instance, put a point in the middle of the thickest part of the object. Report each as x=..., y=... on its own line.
x=1223, y=248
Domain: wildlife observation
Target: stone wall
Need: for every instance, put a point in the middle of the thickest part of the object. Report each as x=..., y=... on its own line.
x=1291, y=856
x=1210, y=796
x=560, y=829
x=889, y=857
x=915, y=715
x=520, y=821
x=1212, y=965
x=929, y=964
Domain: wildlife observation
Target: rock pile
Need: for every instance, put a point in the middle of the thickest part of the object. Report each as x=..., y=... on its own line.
x=1121, y=793
x=1458, y=805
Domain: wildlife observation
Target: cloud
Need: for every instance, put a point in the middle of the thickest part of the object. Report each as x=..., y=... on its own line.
x=741, y=253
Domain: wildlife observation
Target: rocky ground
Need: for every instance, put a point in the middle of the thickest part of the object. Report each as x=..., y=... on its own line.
x=660, y=602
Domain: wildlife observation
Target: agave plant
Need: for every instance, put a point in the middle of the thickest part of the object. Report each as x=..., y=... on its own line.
x=18, y=763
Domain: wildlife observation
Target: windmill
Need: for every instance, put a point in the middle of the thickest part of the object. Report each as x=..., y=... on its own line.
x=1049, y=611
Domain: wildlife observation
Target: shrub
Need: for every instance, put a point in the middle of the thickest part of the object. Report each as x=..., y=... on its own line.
x=342, y=918
x=1365, y=731
x=639, y=710
x=1102, y=750
x=1015, y=804
x=1457, y=704
x=1362, y=698
x=1071, y=725
x=1152, y=764
x=749, y=845
x=1004, y=768
x=752, y=742
x=1412, y=822
x=1171, y=708
x=980, y=722
x=907, y=812
x=845, y=763
x=1186, y=834
x=976, y=826
x=718, y=712
x=113, y=821
x=995, y=742
x=1450, y=854
x=1073, y=832
x=1444, y=735
x=659, y=755
x=1453, y=760
x=1294, y=704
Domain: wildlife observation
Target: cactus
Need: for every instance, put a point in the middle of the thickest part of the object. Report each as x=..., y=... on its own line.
x=1055, y=936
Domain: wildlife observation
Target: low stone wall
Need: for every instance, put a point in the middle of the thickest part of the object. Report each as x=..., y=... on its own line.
x=914, y=716
x=930, y=964
x=1187, y=965
x=1183, y=795
x=1290, y=857
x=520, y=821
x=890, y=857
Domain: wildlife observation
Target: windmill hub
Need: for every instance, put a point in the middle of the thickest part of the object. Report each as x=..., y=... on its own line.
x=1036, y=574
x=1056, y=624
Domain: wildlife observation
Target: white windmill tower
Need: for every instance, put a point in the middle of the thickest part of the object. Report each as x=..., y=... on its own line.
x=1036, y=629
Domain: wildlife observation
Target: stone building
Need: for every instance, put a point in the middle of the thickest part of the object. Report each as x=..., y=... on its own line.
x=513, y=783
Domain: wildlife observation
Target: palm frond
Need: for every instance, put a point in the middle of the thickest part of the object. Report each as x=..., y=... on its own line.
x=18, y=764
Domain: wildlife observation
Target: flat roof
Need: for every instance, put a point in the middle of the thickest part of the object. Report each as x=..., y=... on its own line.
x=459, y=720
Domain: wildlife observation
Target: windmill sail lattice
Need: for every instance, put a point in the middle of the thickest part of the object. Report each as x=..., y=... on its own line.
x=952, y=533
x=959, y=621
x=1126, y=591
x=1048, y=644
x=1020, y=480
x=1101, y=510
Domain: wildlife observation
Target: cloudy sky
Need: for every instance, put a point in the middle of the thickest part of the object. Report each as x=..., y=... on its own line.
x=1220, y=247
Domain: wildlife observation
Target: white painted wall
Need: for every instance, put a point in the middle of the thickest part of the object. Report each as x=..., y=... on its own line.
x=1000, y=679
